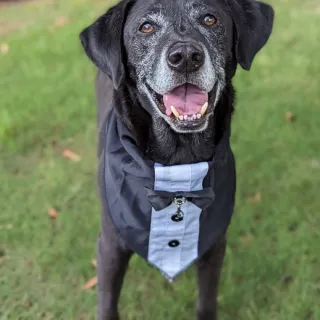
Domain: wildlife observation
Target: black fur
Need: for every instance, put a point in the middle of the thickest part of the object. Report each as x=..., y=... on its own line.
x=253, y=22
x=103, y=44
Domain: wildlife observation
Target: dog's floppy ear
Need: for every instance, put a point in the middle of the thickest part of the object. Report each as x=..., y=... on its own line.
x=253, y=23
x=102, y=42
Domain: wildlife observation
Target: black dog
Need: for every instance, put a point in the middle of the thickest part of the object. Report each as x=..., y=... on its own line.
x=165, y=100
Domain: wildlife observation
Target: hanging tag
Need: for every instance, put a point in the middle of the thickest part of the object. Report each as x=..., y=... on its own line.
x=179, y=201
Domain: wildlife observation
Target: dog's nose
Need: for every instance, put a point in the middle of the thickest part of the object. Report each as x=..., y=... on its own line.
x=185, y=57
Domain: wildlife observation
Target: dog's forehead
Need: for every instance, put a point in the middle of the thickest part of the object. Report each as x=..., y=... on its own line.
x=174, y=8
x=158, y=5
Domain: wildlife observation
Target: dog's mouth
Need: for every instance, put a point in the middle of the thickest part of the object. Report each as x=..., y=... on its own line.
x=186, y=102
x=185, y=107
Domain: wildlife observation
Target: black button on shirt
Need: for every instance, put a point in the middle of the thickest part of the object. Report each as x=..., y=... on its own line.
x=173, y=243
x=177, y=218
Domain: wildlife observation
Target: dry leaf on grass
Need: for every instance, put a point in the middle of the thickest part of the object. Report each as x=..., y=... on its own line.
x=4, y=48
x=255, y=198
x=71, y=155
x=247, y=239
x=61, y=21
x=3, y=259
x=289, y=117
x=53, y=213
x=94, y=263
x=90, y=284
x=28, y=304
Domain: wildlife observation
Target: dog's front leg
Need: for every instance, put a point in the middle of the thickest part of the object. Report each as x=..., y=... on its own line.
x=208, y=272
x=112, y=262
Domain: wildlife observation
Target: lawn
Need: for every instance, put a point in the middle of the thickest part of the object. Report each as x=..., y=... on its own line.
x=47, y=107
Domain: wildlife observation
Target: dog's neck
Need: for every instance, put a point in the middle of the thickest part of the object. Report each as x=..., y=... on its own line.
x=158, y=140
x=169, y=147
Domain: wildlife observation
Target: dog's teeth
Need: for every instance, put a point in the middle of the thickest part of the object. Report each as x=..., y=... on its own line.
x=204, y=108
x=186, y=117
x=175, y=112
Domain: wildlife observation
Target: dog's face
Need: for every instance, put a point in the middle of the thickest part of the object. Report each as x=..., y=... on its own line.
x=177, y=52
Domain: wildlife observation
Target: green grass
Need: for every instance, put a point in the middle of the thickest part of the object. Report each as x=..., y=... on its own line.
x=47, y=104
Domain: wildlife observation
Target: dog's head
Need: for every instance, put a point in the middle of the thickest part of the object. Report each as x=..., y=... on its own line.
x=179, y=53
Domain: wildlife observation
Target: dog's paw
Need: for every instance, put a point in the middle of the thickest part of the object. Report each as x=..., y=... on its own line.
x=207, y=315
x=113, y=317
x=108, y=316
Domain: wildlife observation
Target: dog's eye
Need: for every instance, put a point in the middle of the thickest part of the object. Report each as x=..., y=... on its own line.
x=146, y=27
x=209, y=20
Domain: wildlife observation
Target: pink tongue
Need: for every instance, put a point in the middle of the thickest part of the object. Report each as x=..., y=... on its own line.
x=187, y=99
